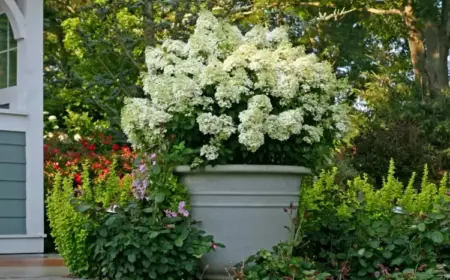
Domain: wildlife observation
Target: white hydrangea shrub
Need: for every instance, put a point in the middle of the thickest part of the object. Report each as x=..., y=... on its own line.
x=286, y=93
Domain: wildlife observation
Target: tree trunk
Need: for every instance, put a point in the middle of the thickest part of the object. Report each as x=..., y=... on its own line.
x=429, y=49
x=416, y=48
x=149, y=24
x=436, y=58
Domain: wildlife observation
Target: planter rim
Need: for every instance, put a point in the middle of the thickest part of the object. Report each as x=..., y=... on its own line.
x=246, y=168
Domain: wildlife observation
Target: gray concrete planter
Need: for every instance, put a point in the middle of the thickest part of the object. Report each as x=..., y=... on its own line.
x=242, y=206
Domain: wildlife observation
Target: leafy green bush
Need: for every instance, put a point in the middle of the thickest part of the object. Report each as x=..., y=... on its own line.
x=355, y=231
x=95, y=243
x=68, y=225
x=134, y=244
x=278, y=264
x=341, y=199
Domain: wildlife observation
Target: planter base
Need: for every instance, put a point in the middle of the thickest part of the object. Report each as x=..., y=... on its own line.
x=242, y=207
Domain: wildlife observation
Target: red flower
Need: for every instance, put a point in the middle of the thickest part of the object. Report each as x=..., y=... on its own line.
x=78, y=178
x=115, y=147
x=56, y=165
x=92, y=147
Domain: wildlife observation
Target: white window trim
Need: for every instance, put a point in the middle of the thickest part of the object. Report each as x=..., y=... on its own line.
x=8, y=51
x=15, y=16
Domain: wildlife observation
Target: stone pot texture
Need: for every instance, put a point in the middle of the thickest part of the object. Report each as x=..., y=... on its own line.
x=242, y=207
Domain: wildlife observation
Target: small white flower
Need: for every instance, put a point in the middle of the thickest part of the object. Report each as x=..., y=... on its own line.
x=55, y=127
x=209, y=152
x=63, y=137
x=52, y=118
x=77, y=137
x=210, y=124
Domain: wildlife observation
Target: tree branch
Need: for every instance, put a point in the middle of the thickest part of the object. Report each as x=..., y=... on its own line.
x=316, y=4
x=382, y=12
x=370, y=10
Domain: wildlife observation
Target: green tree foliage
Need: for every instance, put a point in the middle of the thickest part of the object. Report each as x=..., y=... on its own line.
x=94, y=49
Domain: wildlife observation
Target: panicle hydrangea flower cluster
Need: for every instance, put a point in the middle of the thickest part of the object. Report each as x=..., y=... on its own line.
x=287, y=93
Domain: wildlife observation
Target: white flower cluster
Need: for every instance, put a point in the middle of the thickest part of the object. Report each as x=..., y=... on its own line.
x=287, y=92
x=142, y=122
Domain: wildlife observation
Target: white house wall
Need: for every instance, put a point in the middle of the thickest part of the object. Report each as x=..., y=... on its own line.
x=26, y=116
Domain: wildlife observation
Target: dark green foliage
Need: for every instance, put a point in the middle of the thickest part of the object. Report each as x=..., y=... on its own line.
x=411, y=131
x=401, y=140
x=130, y=245
x=362, y=246
x=278, y=264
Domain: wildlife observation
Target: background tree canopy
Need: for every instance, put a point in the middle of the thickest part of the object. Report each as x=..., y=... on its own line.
x=393, y=52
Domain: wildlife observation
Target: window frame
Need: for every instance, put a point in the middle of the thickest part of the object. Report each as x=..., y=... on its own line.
x=8, y=50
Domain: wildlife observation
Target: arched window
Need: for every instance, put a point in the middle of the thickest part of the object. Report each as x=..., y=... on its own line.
x=8, y=54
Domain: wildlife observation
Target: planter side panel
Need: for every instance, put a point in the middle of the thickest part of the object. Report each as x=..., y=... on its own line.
x=244, y=211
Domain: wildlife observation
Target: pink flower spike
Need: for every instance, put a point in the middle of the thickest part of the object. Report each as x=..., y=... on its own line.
x=181, y=205
x=142, y=168
x=214, y=246
x=170, y=214
x=185, y=213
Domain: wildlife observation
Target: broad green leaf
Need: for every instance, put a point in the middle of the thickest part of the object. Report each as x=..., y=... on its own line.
x=111, y=220
x=154, y=234
x=179, y=242
x=103, y=232
x=148, y=210
x=374, y=244
x=437, y=237
x=83, y=208
x=368, y=254
x=156, y=169
x=361, y=251
x=152, y=275
x=400, y=241
x=397, y=261
x=362, y=262
x=160, y=197
x=437, y=216
x=387, y=254
x=422, y=227
x=132, y=258
x=390, y=247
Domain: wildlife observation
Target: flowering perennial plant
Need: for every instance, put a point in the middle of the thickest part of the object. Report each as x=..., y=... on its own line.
x=67, y=156
x=237, y=98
